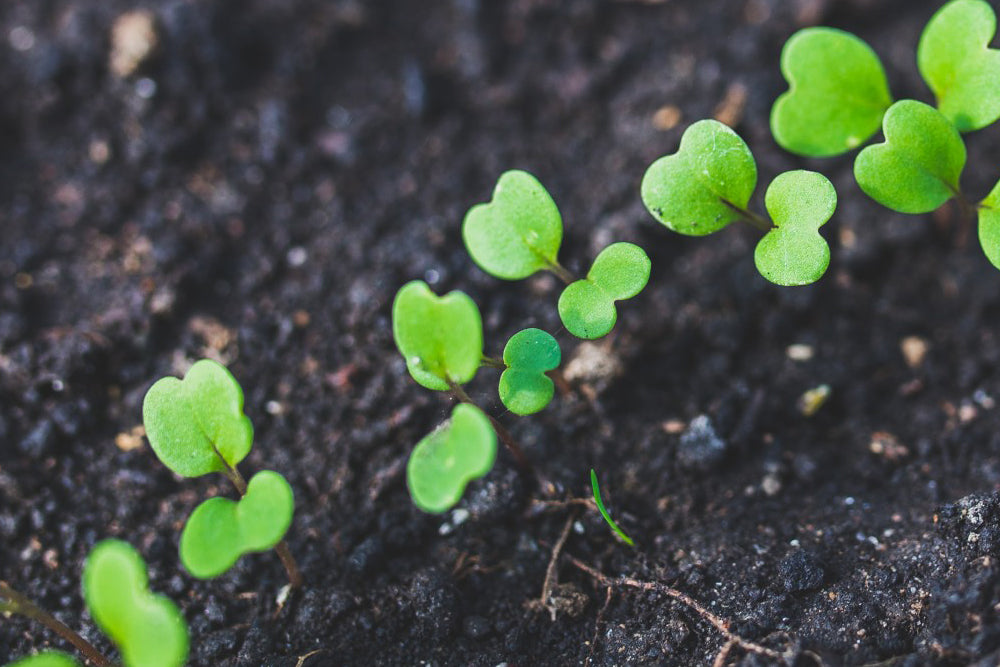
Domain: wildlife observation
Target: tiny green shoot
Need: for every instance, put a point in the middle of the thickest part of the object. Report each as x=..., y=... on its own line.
x=707, y=184
x=959, y=67
x=148, y=629
x=604, y=512
x=440, y=338
x=837, y=93
x=220, y=530
x=196, y=426
x=917, y=168
x=524, y=386
x=444, y=462
x=587, y=307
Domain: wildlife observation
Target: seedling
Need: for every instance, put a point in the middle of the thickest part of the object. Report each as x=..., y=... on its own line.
x=196, y=426
x=604, y=512
x=838, y=97
x=444, y=462
x=148, y=628
x=707, y=184
x=518, y=233
x=441, y=339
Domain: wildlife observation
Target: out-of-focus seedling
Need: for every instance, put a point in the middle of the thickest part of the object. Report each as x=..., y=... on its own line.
x=446, y=460
x=147, y=628
x=518, y=233
x=604, y=512
x=441, y=340
x=707, y=184
x=838, y=97
x=196, y=426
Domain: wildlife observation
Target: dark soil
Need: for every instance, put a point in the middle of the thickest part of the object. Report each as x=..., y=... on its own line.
x=262, y=185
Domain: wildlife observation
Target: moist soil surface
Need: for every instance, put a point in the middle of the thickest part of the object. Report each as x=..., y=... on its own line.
x=259, y=179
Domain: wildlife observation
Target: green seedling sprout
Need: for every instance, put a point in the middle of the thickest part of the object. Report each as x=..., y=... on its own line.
x=518, y=233
x=604, y=512
x=444, y=462
x=46, y=659
x=837, y=93
x=524, y=386
x=441, y=339
x=219, y=531
x=587, y=307
x=707, y=184
x=147, y=628
x=196, y=426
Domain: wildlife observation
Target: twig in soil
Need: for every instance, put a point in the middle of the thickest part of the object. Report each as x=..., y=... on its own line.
x=597, y=627
x=732, y=639
x=552, y=571
x=15, y=603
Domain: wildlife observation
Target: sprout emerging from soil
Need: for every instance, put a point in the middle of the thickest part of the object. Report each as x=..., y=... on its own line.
x=196, y=426
x=707, y=184
x=838, y=98
x=604, y=512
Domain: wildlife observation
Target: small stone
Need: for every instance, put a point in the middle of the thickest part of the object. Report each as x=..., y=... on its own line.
x=592, y=363
x=813, y=399
x=667, y=117
x=801, y=571
x=887, y=446
x=133, y=40
x=799, y=352
x=130, y=440
x=914, y=349
x=700, y=448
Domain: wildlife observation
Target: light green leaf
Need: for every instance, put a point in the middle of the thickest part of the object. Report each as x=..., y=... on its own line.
x=195, y=423
x=958, y=65
x=46, y=659
x=444, y=462
x=220, y=530
x=694, y=190
x=147, y=628
x=918, y=166
x=793, y=252
x=518, y=232
x=989, y=225
x=587, y=307
x=524, y=386
x=441, y=338
x=837, y=93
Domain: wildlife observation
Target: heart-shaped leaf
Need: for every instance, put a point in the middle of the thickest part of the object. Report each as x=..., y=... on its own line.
x=46, y=659
x=918, y=166
x=700, y=188
x=989, y=225
x=441, y=338
x=220, y=530
x=148, y=628
x=587, y=307
x=444, y=462
x=793, y=252
x=196, y=425
x=837, y=93
x=958, y=65
x=524, y=387
x=518, y=232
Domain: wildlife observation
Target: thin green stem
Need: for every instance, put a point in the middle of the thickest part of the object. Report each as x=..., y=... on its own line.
x=560, y=271
x=17, y=603
x=505, y=437
x=493, y=362
x=761, y=223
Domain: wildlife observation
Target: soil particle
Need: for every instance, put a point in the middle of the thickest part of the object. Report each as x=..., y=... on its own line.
x=801, y=571
x=700, y=448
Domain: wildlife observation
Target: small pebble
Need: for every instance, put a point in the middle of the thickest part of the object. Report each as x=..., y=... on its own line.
x=914, y=349
x=801, y=571
x=133, y=41
x=700, y=448
x=799, y=352
x=812, y=400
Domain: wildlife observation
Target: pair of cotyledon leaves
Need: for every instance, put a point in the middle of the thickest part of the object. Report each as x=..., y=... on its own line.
x=707, y=184
x=196, y=426
x=518, y=233
x=839, y=96
x=441, y=339
x=148, y=629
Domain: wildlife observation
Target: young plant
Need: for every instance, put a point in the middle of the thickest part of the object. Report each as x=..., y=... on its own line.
x=604, y=512
x=518, y=233
x=196, y=426
x=838, y=98
x=148, y=628
x=707, y=184
x=441, y=340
